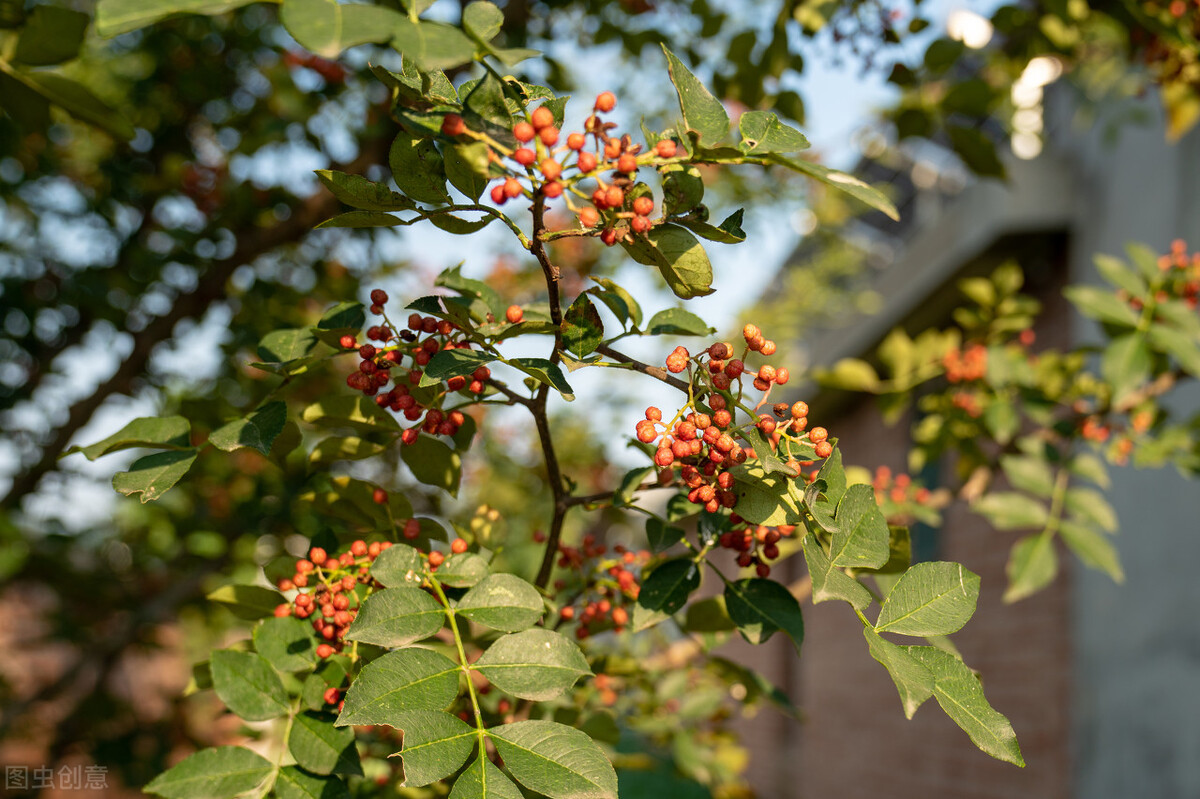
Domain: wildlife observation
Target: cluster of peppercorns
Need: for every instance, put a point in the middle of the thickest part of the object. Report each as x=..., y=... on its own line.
x=332, y=600
x=966, y=365
x=608, y=585
x=755, y=544
x=619, y=207
x=383, y=364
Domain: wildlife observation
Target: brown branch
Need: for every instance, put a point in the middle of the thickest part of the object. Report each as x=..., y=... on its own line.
x=657, y=372
x=211, y=287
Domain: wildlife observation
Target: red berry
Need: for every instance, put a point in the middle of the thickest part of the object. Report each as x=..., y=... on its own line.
x=818, y=434
x=550, y=168
x=332, y=696
x=665, y=149
x=324, y=650
x=542, y=118
x=768, y=347
x=614, y=197
x=283, y=610
x=800, y=410
x=640, y=224
x=627, y=163
x=512, y=188
x=766, y=373
x=750, y=332
x=576, y=141
x=586, y=162
x=524, y=156
x=453, y=125
x=589, y=217
x=514, y=314
x=552, y=189
x=317, y=556
x=643, y=206
x=605, y=102
x=458, y=546
x=412, y=528
x=348, y=342
x=548, y=135
x=498, y=195
x=523, y=131
x=824, y=449
x=782, y=375
x=358, y=548
x=608, y=236
x=380, y=496
x=379, y=297
x=436, y=558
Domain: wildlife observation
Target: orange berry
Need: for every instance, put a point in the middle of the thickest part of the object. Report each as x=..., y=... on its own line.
x=514, y=314
x=512, y=188
x=524, y=156
x=627, y=163
x=614, y=197
x=552, y=189
x=665, y=149
x=605, y=102
x=643, y=206
x=586, y=162
x=548, y=135
x=458, y=546
x=542, y=118
x=453, y=125
x=436, y=558
x=589, y=217
x=576, y=141
x=550, y=168
x=523, y=131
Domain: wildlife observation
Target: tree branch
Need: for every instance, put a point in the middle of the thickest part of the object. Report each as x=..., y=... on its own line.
x=657, y=372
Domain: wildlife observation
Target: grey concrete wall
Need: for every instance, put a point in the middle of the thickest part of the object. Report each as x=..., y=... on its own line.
x=1136, y=686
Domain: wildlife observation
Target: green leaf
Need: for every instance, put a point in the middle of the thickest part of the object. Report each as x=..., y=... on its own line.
x=50, y=36
x=662, y=536
x=1116, y=272
x=250, y=602
x=850, y=374
x=462, y=571
x=358, y=192
x=930, y=599
x=452, y=278
x=708, y=616
x=1008, y=510
x=398, y=682
x=1181, y=346
x=362, y=219
x=357, y=411
x=702, y=113
x=502, y=602
x=834, y=475
x=1089, y=467
x=433, y=463
x=764, y=498
x=761, y=607
x=762, y=132
x=1090, y=506
x=154, y=475
x=851, y=185
x=830, y=582
x=677, y=322
x=1102, y=305
x=349, y=448
x=546, y=372
x=484, y=104
x=1002, y=419
x=330, y=673
x=295, y=783
x=862, y=536
x=555, y=760
x=467, y=168
x=286, y=643
x=728, y=232
x=148, y=431
x=114, y=17
x=683, y=189
x=1032, y=565
x=665, y=591
x=977, y=151
x=959, y=693
x=679, y=257
x=482, y=780
x=418, y=170
x=446, y=364
x=396, y=617
x=1029, y=473
x=258, y=430
x=327, y=28
x=582, y=328
x=432, y=45
x=285, y=346
x=321, y=747
x=482, y=20
x=216, y=773
x=248, y=685
x=913, y=681
x=631, y=481
x=536, y=664
x=398, y=565
x=76, y=99
x=1091, y=547
x=1126, y=364
x=436, y=744
x=610, y=291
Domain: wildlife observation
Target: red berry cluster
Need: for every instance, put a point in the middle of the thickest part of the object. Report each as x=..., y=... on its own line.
x=332, y=600
x=701, y=439
x=608, y=588
x=619, y=206
x=756, y=544
x=963, y=366
x=380, y=365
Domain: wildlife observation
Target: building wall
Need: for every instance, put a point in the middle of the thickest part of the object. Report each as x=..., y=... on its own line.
x=1136, y=698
